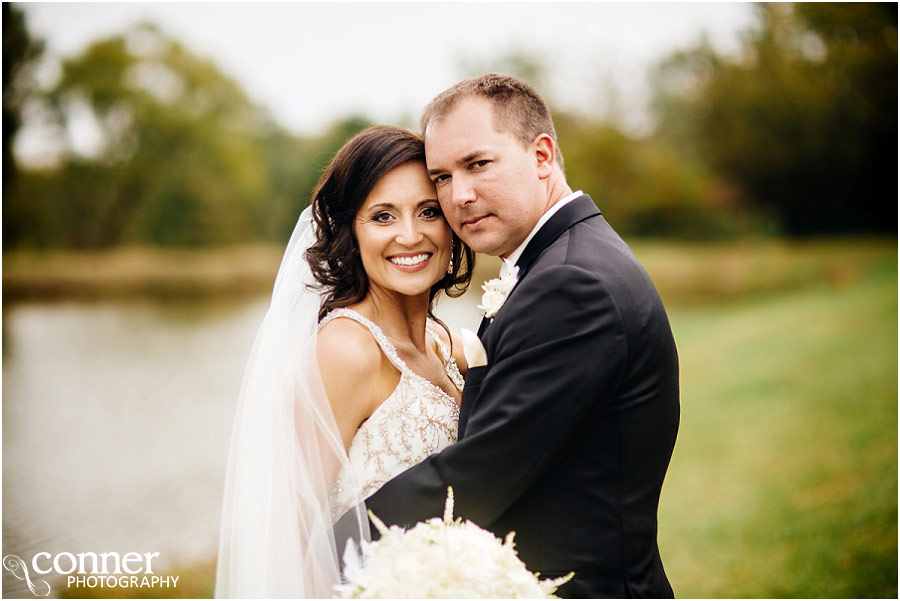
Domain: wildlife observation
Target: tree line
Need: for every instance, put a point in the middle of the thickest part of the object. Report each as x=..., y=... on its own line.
x=796, y=135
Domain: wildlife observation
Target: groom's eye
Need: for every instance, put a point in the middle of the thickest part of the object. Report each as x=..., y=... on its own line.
x=440, y=179
x=480, y=164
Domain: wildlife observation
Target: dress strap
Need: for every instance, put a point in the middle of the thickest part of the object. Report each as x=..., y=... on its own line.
x=386, y=346
x=449, y=362
x=445, y=352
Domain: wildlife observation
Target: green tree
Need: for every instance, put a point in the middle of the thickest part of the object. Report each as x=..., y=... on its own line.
x=177, y=153
x=19, y=53
x=804, y=121
x=295, y=165
x=644, y=186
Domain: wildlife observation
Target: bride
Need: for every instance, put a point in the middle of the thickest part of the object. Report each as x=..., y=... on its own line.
x=351, y=379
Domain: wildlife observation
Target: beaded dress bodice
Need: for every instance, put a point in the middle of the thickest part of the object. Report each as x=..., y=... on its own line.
x=417, y=419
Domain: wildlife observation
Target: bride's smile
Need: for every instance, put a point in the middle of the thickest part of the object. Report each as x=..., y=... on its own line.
x=411, y=261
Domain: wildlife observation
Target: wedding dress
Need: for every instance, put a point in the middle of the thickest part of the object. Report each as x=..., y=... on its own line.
x=417, y=419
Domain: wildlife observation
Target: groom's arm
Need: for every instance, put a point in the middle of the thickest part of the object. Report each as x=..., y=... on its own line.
x=560, y=342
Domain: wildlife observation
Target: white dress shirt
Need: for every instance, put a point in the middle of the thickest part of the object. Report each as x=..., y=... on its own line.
x=509, y=262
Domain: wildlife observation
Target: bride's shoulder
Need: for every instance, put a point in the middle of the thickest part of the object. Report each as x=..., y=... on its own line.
x=346, y=346
x=356, y=374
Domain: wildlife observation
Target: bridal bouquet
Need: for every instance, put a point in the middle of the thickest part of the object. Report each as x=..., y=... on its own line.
x=440, y=559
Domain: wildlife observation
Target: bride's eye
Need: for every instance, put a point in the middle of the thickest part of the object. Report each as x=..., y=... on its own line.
x=431, y=213
x=383, y=217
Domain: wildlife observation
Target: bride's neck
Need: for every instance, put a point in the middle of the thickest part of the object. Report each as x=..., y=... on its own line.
x=400, y=317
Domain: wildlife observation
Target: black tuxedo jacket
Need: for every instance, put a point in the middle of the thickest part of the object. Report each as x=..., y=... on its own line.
x=566, y=434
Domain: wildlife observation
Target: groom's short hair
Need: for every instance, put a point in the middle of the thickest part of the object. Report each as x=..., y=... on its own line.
x=518, y=108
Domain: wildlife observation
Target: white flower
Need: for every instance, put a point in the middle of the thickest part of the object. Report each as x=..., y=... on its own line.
x=440, y=559
x=495, y=292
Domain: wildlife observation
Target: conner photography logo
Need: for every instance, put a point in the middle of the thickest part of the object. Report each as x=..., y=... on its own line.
x=88, y=570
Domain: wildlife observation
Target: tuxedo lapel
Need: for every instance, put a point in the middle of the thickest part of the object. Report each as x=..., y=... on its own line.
x=578, y=210
x=485, y=322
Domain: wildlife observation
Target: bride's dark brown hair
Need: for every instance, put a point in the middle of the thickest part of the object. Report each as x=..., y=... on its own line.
x=341, y=191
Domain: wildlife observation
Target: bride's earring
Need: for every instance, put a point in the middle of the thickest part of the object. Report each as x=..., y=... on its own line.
x=450, y=266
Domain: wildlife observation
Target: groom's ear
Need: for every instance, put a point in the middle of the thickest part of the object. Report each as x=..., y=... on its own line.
x=545, y=154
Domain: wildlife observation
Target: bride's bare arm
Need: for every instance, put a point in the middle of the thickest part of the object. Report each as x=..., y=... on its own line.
x=356, y=374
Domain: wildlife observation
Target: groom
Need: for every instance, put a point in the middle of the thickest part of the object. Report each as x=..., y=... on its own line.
x=566, y=433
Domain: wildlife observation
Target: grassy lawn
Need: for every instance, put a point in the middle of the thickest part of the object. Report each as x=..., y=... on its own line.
x=784, y=477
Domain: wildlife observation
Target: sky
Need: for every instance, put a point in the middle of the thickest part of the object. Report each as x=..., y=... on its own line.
x=311, y=63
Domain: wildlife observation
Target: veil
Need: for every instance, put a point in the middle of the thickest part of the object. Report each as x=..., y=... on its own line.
x=277, y=537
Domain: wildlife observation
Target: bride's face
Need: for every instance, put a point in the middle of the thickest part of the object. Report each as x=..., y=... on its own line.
x=404, y=240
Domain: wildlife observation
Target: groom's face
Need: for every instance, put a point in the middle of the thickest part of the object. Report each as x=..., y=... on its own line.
x=486, y=180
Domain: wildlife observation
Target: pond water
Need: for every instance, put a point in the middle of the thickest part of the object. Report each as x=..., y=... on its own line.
x=116, y=423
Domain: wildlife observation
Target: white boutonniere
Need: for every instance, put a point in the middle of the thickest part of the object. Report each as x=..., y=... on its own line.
x=496, y=291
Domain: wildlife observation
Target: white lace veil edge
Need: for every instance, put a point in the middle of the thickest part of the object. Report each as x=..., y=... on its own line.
x=277, y=537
